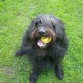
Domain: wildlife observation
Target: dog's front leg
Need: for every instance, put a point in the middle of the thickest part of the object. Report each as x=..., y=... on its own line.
x=35, y=74
x=59, y=71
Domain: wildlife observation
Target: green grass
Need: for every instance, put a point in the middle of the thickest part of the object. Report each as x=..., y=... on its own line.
x=15, y=17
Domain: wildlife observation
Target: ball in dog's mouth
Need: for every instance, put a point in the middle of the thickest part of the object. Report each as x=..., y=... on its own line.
x=43, y=41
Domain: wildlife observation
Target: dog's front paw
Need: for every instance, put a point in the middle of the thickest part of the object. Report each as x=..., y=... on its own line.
x=19, y=53
x=59, y=75
x=32, y=81
x=59, y=72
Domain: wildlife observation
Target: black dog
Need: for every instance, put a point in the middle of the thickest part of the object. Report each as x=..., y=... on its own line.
x=40, y=53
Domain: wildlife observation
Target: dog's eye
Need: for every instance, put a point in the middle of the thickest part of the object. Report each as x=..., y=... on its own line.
x=53, y=26
x=38, y=22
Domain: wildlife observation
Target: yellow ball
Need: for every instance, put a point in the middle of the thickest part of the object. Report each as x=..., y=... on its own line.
x=46, y=39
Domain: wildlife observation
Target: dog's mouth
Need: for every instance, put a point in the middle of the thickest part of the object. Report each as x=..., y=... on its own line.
x=43, y=41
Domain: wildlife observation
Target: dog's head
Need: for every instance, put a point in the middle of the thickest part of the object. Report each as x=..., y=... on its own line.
x=48, y=27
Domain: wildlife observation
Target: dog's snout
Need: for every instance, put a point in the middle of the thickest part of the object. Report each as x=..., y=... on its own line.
x=41, y=31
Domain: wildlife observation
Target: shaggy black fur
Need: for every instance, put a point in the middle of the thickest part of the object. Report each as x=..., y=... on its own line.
x=52, y=53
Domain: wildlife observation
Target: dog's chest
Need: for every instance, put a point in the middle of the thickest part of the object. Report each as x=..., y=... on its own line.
x=43, y=53
x=39, y=52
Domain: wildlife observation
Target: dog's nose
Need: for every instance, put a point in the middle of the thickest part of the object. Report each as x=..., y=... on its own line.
x=41, y=31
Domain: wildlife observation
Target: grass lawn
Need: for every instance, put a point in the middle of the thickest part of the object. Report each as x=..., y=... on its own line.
x=15, y=17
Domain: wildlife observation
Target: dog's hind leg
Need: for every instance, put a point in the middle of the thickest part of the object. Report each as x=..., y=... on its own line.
x=26, y=47
x=24, y=51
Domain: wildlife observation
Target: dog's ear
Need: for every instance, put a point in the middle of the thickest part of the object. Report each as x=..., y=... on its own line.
x=58, y=27
x=32, y=26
